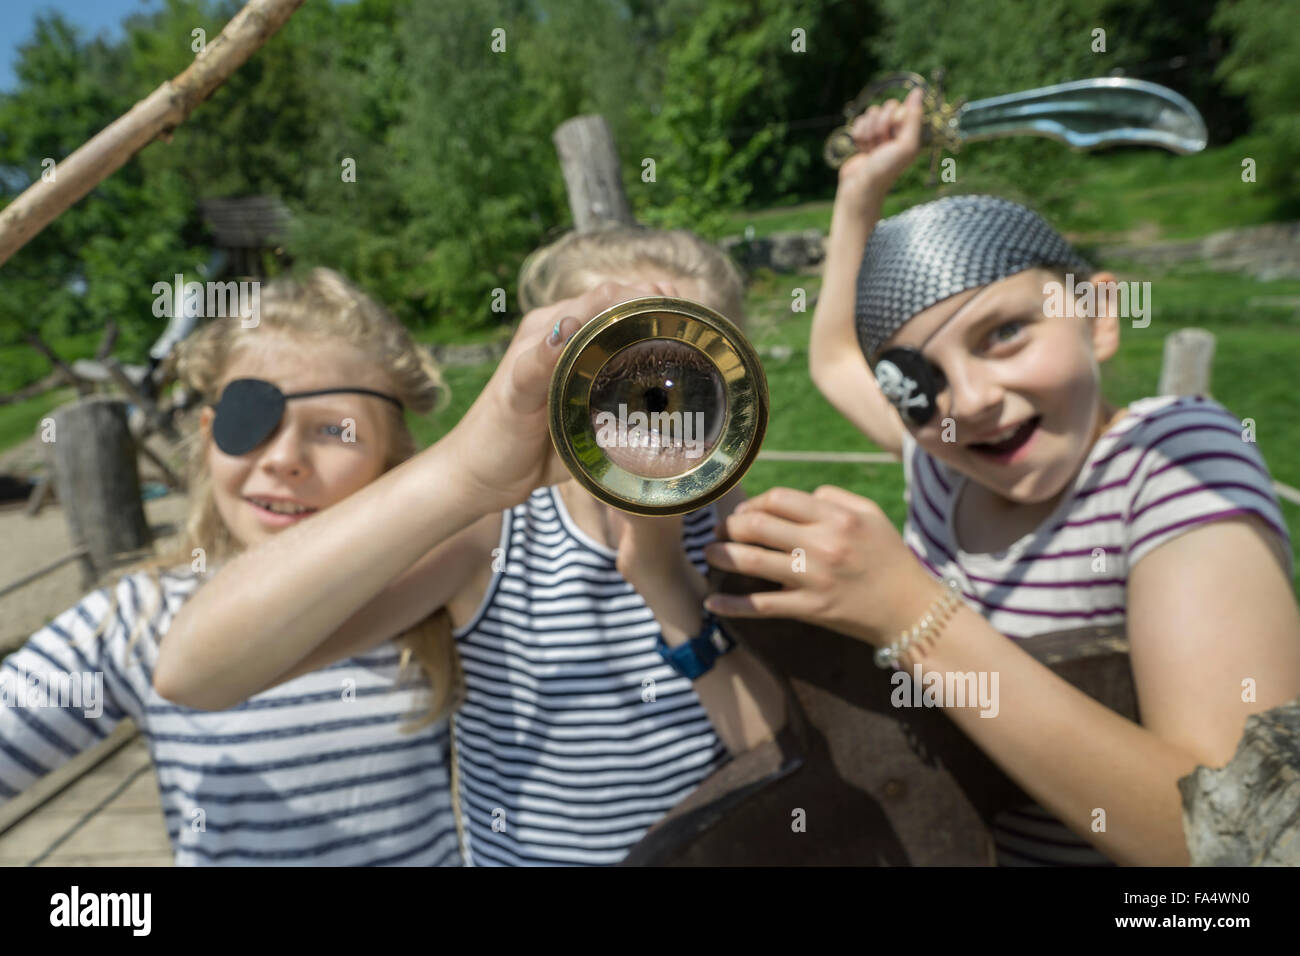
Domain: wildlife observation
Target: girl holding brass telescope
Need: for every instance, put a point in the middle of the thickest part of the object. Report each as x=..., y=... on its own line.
x=327, y=768
x=597, y=693
x=1039, y=505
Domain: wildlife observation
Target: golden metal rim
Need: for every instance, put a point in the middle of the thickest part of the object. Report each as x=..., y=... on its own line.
x=639, y=320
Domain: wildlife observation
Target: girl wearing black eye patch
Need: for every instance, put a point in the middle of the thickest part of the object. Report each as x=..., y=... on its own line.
x=276, y=782
x=250, y=410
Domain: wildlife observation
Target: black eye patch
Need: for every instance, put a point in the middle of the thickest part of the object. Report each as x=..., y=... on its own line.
x=250, y=410
x=910, y=383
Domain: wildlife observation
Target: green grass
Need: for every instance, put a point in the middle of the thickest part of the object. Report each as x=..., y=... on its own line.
x=1182, y=196
x=18, y=422
x=1164, y=196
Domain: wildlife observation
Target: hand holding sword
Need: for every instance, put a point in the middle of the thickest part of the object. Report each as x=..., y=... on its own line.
x=1084, y=114
x=887, y=138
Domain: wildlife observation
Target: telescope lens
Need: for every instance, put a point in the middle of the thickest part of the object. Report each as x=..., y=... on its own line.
x=658, y=407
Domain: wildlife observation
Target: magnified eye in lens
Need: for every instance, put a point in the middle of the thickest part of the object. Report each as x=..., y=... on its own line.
x=658, y=407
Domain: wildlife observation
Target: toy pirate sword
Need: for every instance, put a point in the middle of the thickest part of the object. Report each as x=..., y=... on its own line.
x=1084, y=114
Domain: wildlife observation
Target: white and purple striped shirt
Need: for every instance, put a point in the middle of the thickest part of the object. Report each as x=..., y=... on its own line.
x=1170, y=465
x=313, y=772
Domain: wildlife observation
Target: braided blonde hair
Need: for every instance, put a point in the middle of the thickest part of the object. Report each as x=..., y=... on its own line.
x=322, y=307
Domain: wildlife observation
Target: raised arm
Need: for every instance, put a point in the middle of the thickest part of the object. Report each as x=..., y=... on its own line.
x=339, y=581
x=744, y=701
x=888, y=139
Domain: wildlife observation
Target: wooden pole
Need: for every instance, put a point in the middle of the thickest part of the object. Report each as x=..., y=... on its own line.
x=93, y=461
x=590, y=165
x=1244, y=814
x=156, y=115
x=1188, y=359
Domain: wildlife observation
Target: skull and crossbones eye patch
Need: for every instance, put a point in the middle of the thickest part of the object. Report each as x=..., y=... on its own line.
x=250, y=411
x=910, y=382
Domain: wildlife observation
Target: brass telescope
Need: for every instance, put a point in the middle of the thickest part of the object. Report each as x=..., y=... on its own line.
x=658, y=405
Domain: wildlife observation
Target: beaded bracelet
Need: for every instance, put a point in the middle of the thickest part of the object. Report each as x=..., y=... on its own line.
x=930, y=624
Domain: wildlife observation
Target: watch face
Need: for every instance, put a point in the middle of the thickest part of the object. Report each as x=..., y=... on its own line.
x=908, y=380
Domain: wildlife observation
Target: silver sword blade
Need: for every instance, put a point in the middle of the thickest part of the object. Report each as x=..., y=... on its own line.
x=1089, y=114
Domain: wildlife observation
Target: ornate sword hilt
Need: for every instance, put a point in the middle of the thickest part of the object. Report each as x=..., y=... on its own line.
x=938, y=123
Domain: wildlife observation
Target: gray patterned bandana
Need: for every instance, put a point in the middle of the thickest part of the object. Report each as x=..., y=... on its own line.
x=929, y=253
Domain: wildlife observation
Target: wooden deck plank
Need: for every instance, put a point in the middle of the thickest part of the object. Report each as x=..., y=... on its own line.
x=128, y=830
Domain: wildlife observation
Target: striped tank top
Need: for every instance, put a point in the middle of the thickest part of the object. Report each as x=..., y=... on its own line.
x=1169, y=465
x=574, y=736
x=313, y=772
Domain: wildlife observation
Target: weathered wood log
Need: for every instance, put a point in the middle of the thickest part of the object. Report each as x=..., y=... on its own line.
x=1187, y=363
x=1248, y=812
x=591, y=173
x=93, y=461
x=156, y=115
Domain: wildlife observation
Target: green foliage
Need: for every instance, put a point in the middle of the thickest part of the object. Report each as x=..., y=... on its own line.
x=97, y=261
x=1264, y=65
x=739, y=87
x=456, y=177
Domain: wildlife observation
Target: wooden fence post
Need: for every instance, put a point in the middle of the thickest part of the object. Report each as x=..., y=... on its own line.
x=1188, y=360
x=591, y=173
x=1243, y=814
x=93, y=462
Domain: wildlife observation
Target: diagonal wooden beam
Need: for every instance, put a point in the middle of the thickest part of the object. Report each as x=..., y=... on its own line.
x=156, y=115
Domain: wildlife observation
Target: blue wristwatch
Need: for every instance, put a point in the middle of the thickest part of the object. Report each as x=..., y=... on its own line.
x=697, y=656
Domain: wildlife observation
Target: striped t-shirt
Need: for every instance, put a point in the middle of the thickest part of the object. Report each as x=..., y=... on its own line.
x=1169, y=465
x=574, y=736
x=312, y=772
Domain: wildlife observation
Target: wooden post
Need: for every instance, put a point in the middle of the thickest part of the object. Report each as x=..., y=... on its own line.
x=1244, y=814
x=1188, y=360
x=93, y=461
x=591, y=173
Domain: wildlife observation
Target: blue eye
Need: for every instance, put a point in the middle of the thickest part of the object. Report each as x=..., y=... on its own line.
x=1016, y=324
x=334, y=431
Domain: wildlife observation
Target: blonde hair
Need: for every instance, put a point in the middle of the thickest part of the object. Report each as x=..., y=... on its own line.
x=577, y=261
x=323, y=307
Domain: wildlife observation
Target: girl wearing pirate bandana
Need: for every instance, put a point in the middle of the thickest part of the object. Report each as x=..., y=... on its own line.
x=1034, y=506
